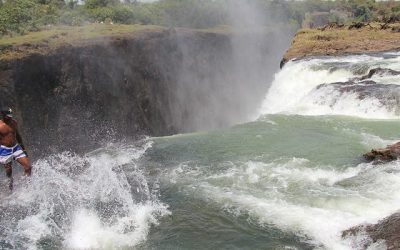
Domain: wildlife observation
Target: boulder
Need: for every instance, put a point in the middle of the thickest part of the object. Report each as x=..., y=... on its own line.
x=387, y=94
x=380, y=72
x=382, y=155
x=387, y=230
x=364, y=87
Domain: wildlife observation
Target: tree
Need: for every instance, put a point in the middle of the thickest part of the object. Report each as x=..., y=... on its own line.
x=92, y=4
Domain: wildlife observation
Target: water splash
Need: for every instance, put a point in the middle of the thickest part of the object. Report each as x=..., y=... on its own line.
x=99, y=200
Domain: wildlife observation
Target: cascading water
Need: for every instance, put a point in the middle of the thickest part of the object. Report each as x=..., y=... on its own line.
x=305, y=87
x=292, y=179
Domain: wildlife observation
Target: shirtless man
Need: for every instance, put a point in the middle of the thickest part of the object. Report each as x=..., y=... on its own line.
x=11, y=147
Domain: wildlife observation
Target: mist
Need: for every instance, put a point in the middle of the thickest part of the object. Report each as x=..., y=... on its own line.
x=168, y=81
x=206, y=99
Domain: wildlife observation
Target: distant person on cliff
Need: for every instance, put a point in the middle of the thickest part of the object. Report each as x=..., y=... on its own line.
x=11, y=146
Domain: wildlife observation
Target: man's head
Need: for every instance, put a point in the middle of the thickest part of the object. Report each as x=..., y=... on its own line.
x=6, y=113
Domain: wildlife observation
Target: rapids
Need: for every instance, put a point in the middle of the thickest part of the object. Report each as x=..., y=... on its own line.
x=291, y=179
x=295, y=88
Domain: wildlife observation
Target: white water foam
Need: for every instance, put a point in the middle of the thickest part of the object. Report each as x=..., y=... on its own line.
x=294, y=91
x=315, y=202
x=374, y=141
x=98, y=201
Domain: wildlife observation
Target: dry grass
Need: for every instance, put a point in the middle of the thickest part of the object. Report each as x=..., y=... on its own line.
x=52, y=38
x=220, y=29
x=55, y=37
x=339, y=41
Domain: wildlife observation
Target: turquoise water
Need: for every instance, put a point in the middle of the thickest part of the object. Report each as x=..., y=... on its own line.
x=282, y=182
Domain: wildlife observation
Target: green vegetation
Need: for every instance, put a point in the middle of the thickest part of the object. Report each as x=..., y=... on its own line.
x=49, y=24
x=21, y=16
x=50, y=39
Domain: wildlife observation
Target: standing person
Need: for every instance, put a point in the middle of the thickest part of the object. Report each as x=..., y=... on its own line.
x=11, y=146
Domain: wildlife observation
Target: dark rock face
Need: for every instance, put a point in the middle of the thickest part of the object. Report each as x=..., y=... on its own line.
x=379, y=72
x=388, y=94
x=155, y=83
x=382, y=155
x=78, y=97
x=387, y=229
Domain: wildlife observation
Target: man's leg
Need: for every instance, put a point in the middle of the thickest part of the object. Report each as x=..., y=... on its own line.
x=25, y=164
x=8, y=168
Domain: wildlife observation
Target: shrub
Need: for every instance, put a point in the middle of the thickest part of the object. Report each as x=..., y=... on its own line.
x=123, y=14
x=144, y=15
x=93, y=4
x=17, y=16
x=74, y=17
x=101, y=14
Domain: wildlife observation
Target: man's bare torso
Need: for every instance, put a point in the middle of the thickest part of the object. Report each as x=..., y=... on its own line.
x=8, y=133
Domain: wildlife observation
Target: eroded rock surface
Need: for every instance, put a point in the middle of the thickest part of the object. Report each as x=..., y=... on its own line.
x=379, y=72
x=387, y=230
x=382, y=155
x=364, y=88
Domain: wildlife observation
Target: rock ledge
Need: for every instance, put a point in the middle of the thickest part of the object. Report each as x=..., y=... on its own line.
x=382, y=155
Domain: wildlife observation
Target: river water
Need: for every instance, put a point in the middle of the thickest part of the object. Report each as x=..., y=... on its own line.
x=291, y=179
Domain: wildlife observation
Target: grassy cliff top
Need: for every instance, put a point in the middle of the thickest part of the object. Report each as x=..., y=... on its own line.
x=340, y=40
x=54, y=37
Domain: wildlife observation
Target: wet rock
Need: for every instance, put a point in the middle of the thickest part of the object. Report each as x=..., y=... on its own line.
x=382, y=155
x=123, y=88
x=387, y=94
x=282, y=63
x=387, y=230
x=363, y=87
x=379, y=72
x=153, y=83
